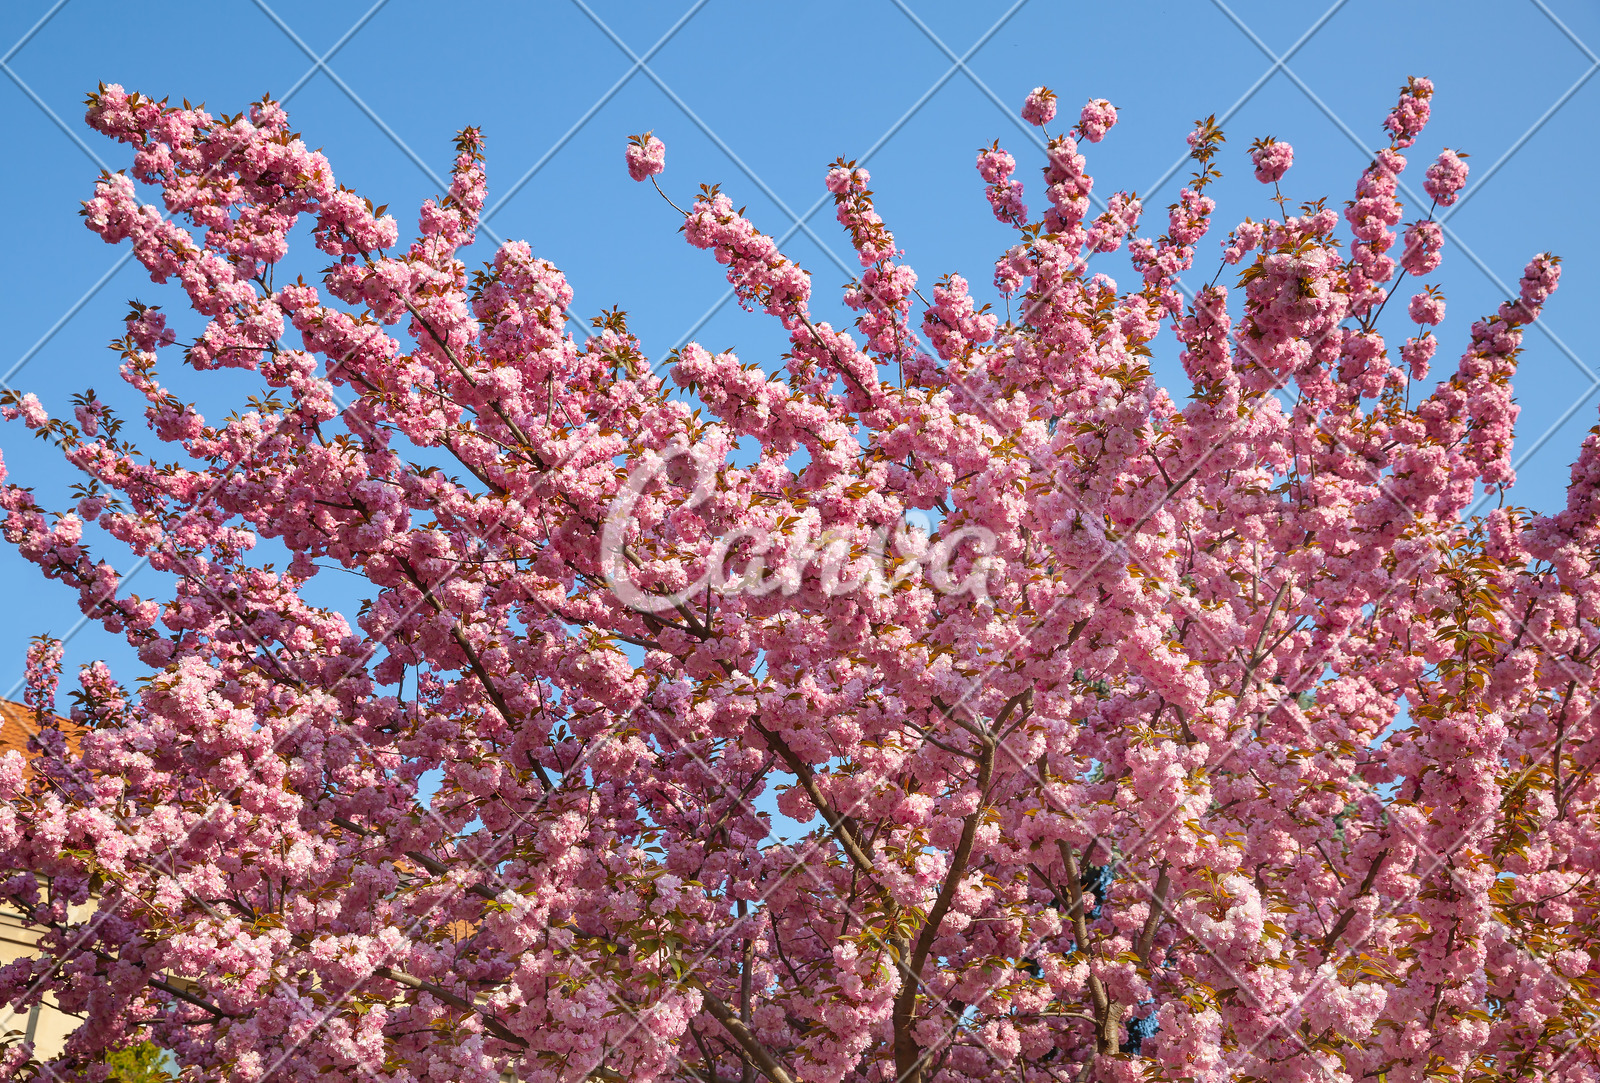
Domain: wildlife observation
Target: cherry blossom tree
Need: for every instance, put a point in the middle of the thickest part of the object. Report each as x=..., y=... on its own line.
x=1201, y=737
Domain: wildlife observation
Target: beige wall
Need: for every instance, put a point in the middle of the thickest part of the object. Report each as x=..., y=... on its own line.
x=46, y=1025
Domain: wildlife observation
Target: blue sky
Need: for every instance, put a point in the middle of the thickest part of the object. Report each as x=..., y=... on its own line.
x=760, y=97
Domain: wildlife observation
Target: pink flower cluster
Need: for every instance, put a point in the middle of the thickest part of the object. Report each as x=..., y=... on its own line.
x=1004, y=192
x=43, y=675
x=1251, y=752
x=1423, y=242
x=1375, y=208
x=1067, y=186
x=1427, y=306
x=1272, y=160
x=647, y=156
x=1121, y=218
x=1039, y=108
x=1446, y=177
x=1096, y=119
x=1410, y=115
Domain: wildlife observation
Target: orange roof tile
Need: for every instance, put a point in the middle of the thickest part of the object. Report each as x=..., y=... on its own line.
x=17, y=725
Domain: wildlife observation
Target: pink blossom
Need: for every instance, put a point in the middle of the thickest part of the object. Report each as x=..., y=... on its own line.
x=1096, y=119
x=1004, y=193
x=43, y=674
x=647, y=156
x=1446, y=177
x=1039, y=108
x=1417, y=352
x=1407, y=119
x=1126, y=726
x=1245, y=237
x=1272, y=159
x=1423, y=242
x=1426, y=307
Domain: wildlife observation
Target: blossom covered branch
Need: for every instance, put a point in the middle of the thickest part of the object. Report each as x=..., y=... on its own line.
x=1199, y=735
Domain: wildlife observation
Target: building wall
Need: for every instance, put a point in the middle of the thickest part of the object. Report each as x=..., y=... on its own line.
x=45, y=1024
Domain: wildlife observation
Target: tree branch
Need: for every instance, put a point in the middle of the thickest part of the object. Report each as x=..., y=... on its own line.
x=1106, y=1014
x=909, y=1061
x=188, y=998
x=1350, y=911
x=458, y=634
x=490, y=1023
x=433, y=865
x=1158, y=903
x=842, y=826
x=743, y=1035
